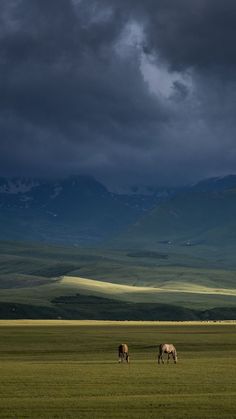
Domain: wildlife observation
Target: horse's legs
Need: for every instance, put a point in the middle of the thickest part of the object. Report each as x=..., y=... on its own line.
x=121, y=357
x=160, y=357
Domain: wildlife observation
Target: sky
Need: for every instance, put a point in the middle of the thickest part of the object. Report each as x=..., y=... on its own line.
x=128, y=91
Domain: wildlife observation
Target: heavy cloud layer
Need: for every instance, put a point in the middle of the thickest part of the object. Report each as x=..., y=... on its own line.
x=126, y=90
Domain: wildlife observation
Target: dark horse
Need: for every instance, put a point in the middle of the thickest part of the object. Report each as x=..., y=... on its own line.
x=123, y=353
x=169, y=349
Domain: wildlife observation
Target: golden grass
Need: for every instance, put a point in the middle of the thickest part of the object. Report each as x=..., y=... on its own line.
x=13, y=323
x=109, y=288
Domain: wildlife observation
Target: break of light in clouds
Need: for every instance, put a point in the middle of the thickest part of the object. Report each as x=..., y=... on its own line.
x=128, y=91
x=163, y=82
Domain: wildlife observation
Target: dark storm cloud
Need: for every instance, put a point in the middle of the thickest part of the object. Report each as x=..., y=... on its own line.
x=187, y=33
x=125, y=90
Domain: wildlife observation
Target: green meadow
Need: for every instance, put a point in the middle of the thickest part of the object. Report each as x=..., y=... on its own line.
x=57, y=369
x=41, y=281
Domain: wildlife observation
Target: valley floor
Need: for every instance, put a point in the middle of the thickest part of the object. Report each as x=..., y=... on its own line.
x=58, y=369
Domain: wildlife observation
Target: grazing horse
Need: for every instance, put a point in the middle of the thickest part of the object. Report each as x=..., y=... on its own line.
x=169, y=349
x=123, y=353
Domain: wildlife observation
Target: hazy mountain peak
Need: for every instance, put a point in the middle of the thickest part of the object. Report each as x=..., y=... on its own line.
x=215, y=184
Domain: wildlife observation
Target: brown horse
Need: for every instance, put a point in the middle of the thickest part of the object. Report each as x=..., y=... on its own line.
x=123, y=353
x=169, y=349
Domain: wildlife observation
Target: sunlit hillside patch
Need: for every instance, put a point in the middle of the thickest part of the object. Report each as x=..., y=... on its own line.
x=109, y=288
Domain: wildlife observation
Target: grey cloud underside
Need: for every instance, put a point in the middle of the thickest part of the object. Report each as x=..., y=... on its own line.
x=77, y=95
x=187, y=32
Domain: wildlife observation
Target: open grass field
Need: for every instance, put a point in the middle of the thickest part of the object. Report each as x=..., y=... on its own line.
x=56, y=369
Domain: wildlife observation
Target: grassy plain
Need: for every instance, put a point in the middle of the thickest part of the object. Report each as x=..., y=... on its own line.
x=56, y=369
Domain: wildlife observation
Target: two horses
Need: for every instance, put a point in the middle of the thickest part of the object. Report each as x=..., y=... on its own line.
x=164, y=348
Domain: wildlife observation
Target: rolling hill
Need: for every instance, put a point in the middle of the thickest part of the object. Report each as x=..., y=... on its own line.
x=56, y=282
x=203, y=215
x=176, y=262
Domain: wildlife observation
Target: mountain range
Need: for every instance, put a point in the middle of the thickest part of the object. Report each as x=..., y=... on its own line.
x=75, y=210
x=79, y=210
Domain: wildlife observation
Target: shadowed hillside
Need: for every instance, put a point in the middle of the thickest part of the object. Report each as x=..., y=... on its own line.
x=201, y=216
